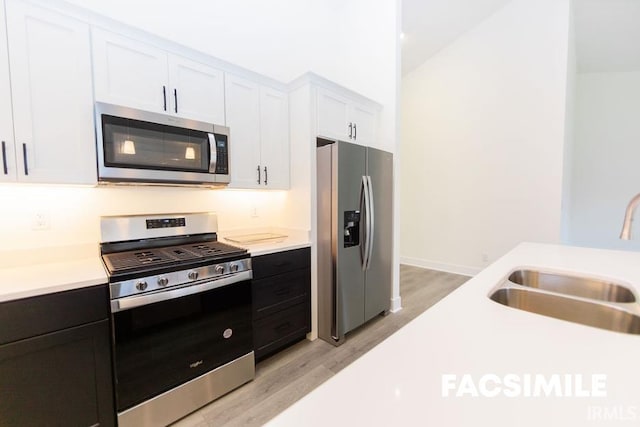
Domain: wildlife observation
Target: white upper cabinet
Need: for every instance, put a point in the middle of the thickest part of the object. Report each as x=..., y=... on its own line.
x=274, y=142
x=258, y=119
x=7, y=154
x=243, y=119
x=364, y=121
x=128, y=72
x=340, y=117
x=197, y=90
x=50, y=66
x=333, y=115
x=136, y=74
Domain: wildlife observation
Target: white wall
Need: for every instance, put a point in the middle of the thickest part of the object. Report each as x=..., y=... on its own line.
x=606, y=172
x=74, y=211
x=569, y=131
x=483, y=133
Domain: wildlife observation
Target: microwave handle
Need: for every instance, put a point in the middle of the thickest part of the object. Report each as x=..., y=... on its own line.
x=213, y=156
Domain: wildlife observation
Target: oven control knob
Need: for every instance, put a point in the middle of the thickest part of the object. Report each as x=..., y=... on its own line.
x=163, y=281
x=141, y=285
x=220, y=269
x=193, y=275
x=234, y=267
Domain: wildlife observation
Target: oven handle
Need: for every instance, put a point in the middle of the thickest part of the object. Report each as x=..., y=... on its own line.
x=128, y=303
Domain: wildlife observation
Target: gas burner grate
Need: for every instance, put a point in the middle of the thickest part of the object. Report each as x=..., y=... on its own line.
x=135, y=259
x=207, y=249
x=147, y=257
x=213, y=249
x=144, y=258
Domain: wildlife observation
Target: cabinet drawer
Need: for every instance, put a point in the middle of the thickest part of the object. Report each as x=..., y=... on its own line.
x=39, y=315
x=274, y=293
x=280, y=329
x=280, y=262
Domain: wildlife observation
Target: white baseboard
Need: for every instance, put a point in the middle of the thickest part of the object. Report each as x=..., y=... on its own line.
x=440, y=266
x=396, y=304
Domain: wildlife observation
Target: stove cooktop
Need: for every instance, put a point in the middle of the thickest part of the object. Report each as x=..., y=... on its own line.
x=149, y=258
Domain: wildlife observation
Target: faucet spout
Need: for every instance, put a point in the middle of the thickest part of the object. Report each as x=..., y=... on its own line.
x=628, y=217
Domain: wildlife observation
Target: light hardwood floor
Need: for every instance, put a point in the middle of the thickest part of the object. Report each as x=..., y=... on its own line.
x=289, y=375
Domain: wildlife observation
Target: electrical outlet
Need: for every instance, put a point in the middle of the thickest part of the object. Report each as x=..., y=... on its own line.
x=485, y=258
x=254, y=212
x=41, y=221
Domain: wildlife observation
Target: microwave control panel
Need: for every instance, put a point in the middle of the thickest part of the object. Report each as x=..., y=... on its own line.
x=222, y=164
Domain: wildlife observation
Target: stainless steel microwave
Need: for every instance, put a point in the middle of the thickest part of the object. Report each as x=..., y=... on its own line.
x=135, y=146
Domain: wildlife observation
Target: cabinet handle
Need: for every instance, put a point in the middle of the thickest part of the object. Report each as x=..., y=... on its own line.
x=24, y=156
x=350, y=130
x=282, y=292
x=282, y=327
x=164, y=97
x=259, y=174
x=175, y=99
x=4, y=158
x=355, y=131
x=265, y=175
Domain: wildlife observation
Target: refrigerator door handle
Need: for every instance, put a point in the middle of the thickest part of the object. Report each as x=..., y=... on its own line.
x=363, y=232
x=370, y=223
x=368, y=218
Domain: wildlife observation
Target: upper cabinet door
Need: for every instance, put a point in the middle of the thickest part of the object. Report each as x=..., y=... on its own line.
x=274, y=133
x=344, y=118
x=7, y=155
x=333, y=116
x=196, y=90
x=363, y=121
x=129, y=72
x=243, y=119
x=50, y=65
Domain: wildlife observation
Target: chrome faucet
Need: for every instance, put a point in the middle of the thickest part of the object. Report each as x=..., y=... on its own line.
x=628, y=217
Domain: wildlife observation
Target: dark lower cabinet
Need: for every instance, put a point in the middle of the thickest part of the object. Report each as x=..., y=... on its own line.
x=61, y=377
x=281, y=291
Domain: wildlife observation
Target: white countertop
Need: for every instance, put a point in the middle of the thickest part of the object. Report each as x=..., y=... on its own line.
x=40, y=271
x=399, y=382
x=46, y=270
x=294, y=239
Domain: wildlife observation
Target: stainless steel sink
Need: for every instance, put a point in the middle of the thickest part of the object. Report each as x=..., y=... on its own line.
x=591, y=313
x=573, y=285
x=588, y=301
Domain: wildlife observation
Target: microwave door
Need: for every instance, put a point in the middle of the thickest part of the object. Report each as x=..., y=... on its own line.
x=144, y=147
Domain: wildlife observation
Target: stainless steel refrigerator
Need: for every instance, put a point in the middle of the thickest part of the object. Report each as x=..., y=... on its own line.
x=355, y=232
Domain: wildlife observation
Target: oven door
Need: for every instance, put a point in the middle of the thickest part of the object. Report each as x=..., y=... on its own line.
x=162, y=345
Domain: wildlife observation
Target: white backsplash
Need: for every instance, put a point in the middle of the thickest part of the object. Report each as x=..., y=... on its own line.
x=71, y=214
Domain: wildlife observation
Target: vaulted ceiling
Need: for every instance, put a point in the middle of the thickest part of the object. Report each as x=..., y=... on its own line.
x=606, y=31
x=430, y=25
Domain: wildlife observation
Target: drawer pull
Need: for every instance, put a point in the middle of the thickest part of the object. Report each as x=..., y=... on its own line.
x=283, y=327
x=282, y=291
x=282, y=263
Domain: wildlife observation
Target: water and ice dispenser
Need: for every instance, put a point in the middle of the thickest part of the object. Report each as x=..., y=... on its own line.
x=351, y=228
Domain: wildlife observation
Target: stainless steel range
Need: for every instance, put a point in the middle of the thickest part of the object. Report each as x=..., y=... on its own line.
x=181, y=313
